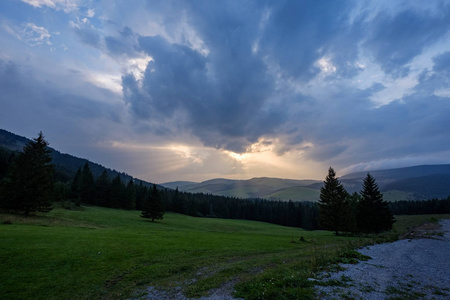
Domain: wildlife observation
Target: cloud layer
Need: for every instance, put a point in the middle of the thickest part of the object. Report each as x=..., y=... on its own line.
x=356, y=85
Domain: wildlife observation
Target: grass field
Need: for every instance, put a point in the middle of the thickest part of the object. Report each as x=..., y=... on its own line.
x=297, y=193
x=100, y=253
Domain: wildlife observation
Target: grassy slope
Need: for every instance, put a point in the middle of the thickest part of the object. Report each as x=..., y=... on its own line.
x=392, y=196
x=298, y=193
x=107, y=253
x=239, y=192
x=254, y=188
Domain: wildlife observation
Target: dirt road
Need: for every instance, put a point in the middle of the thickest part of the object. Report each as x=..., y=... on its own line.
x=411, y=268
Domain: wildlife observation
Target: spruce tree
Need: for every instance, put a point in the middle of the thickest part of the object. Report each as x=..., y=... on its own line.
x=153, y=205
x=76, y=187
x=6, y=159
x=87, y=185
x=353, y=201
x=333, y=205
x=373, y=213
x=130, y=196
x=141, y=195
x=177, y=202
x=30, y=183
x=102, y=192
x=117, y=189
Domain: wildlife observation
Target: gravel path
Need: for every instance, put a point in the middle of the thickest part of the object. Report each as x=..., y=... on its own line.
x=222, y=293
x=405, y=269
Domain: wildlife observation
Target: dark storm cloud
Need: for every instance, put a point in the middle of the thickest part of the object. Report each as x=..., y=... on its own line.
x=227, y=95
x=221, y=101
x=396, y=39
x=431, y=82
x=353, y=131
x=298, y=33
x=236, y=81
x=334, y=82
x=124, y=42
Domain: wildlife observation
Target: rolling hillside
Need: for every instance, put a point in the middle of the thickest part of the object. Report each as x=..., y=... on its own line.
x=264, y=187
x=296, y=193
x=411, y=183
x=66, y=165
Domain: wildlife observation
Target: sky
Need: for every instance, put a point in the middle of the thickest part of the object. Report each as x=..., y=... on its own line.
x=195, y=90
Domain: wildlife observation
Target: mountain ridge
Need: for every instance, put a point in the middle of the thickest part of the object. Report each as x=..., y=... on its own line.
x=409, y=183
x=66, y=165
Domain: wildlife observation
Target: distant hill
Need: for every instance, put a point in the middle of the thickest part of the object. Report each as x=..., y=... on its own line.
x=411, y=183
x=12, y=141
x=401, y=173
x=296, y=193
x=66, y=165
x=263, y=187
x=179, y=184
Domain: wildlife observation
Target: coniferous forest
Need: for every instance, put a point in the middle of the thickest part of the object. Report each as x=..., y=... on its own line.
x=58, y=186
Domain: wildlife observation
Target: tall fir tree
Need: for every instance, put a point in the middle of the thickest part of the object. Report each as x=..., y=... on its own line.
x=177, y=202
x=30, y=183
x=117, y=191
x=334, y=208
x=76, y=187
x=141, y=195
x=6, y=159
x=373, y=213
x=87, y=185
x=153, y=207
x=129, y=201
x=353, y=201
x=102, y=192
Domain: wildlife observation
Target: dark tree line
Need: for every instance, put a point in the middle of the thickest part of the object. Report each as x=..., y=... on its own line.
x=150, y=200
x=153, y=206
x=432, y=206
x=106, y=192
x=85, y=188
x=28, y=182
x=286, y=213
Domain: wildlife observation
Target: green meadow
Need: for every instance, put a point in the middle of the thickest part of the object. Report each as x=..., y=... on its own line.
x=101, y=253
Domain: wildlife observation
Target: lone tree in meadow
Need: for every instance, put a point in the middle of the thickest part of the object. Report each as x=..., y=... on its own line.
x=334, y=208
x=373, y=213
x=153, y=206
x=30, y=182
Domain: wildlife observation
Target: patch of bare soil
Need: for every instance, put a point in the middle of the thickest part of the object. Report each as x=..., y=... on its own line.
x=221, y=293
x=428, y=230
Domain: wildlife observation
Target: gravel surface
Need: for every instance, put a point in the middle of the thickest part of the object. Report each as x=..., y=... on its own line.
x=222, y=293
x=405, y=269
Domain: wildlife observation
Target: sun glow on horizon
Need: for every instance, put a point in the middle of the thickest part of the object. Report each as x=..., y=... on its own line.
x=189, y=162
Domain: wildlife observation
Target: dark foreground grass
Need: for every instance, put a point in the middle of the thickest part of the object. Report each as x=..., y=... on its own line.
x=101, y=253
